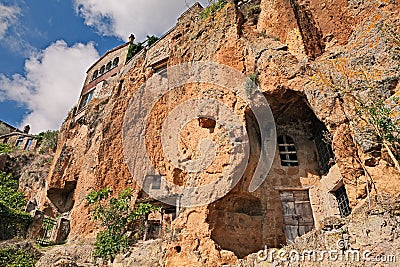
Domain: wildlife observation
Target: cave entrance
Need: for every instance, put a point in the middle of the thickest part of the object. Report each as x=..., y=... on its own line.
x=281, y=208
x=63, y=198
x=303, y=153
x=236, y=224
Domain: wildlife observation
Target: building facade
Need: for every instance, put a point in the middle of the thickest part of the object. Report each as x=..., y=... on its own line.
x=21, y=139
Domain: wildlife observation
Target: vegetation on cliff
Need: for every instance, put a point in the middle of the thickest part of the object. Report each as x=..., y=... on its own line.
x=213, y=7
x=6, y=148
x=18, y=256
x=14, y=222
x=48, y=141
x=119, y=219
x=13, y=219
x=365, y=89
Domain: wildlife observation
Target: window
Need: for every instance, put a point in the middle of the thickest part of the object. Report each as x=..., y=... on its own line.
x=323, y=144
x=287, y=151
x=20, y=141
x=28, y=144
x=115, y=62
x=95, y=74
x=152, y=182
x=86, y=99
x=109, y=64
x=161, y=67
x=102, y=69
x=156, y=182
x=343, y=201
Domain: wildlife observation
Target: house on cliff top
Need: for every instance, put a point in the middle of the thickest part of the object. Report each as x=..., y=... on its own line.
x=15, y=137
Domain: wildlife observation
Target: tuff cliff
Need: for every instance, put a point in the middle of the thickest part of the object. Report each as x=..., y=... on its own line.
x=287, y=47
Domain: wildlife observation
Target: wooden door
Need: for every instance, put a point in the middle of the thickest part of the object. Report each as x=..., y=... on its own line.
x=297, y=213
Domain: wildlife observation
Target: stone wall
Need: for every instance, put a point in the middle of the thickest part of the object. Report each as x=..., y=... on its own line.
x=5, y=128
x=22, y=141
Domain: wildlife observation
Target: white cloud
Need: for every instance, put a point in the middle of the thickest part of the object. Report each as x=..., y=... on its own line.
x=140, y=17
x=51, y=84
x=8, y=16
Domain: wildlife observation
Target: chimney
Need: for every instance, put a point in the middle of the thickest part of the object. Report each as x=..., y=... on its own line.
x=131, y=38
x=27, y=129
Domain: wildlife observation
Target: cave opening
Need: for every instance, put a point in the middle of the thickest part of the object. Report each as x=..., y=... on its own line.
x=245, y=222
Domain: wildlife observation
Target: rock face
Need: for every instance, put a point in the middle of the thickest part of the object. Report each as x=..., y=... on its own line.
x=365, y=238
x=282, y=45
x=31, y=169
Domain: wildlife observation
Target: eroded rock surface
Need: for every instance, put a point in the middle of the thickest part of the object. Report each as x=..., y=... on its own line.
x=282, y=48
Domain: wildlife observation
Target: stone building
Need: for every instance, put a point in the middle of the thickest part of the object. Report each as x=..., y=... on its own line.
x=15, y=137
x=99, y=74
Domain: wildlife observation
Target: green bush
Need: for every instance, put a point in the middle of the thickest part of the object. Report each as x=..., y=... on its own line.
x=13, y=219
x=6, y=148
x=18, y=257
x=108, y=244
x=213, y=7
x=48, y=141
x=133, y=49
x=9, y=194
x=117, y=217
x=151, y=40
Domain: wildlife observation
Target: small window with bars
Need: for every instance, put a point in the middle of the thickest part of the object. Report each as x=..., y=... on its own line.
x=323, y=142
x=28, y=144
x=287, y=151
x=343, y=201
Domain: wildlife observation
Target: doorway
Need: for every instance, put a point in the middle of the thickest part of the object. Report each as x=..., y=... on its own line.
x=297, y=213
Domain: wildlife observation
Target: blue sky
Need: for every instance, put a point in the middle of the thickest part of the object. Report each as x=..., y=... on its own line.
x=47, y=45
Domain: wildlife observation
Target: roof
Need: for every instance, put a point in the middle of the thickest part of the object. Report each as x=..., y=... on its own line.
x=108, y=52
x=8, y=125
x=17, y=133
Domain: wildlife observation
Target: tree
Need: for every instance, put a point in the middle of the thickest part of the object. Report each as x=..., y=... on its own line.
x=151, y=40
x=117, y=216
x=133, y=49
x=362, y=88
x=48, y=140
